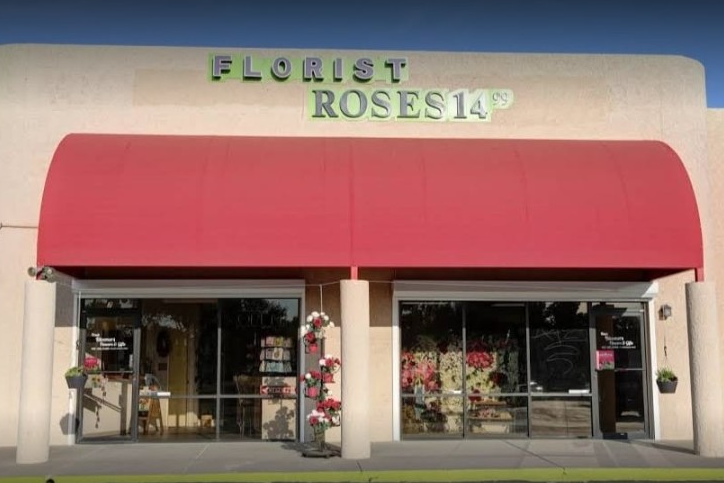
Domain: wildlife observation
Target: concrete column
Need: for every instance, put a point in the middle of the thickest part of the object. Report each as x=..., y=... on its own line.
x=706, y=394
x=36, y=373
x=355, y=311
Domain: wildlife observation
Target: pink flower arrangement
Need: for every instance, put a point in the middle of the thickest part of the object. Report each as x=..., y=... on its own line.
x=327, y=411
x=329, y=364
x=330, y=406
x=314, y=330
x=311, y=342
x=479, y=356
x=419, y=371
x=319, y=421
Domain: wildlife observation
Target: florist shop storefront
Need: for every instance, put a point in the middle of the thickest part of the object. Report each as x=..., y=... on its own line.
x=494, y=236
x=497, y=362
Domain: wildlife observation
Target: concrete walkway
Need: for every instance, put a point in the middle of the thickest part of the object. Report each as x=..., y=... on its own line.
x=469, y=460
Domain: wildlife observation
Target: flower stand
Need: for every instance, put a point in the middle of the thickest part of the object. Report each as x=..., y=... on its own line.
x=327, y=411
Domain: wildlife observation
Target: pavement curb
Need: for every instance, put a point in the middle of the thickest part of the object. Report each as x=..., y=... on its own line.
x=418, y=476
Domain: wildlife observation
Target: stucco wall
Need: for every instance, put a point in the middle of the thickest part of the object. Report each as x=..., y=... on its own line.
x=715, y=126
x=49, y=91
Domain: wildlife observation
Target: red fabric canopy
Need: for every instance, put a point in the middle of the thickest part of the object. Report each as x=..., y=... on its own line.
x=213, y=201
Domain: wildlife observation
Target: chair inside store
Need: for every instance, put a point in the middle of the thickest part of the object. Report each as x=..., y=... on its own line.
x=149, y=412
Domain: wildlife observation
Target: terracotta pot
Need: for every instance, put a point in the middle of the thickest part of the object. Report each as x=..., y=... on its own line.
x=327, y=378
x=312, y=348
x=311, y=392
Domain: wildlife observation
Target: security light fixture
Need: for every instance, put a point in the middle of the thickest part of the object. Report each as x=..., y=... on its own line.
x=41, y=273
x=665, y=311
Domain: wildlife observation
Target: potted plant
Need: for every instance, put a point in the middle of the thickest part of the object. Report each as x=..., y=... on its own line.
x=666, y=380
x=76, y=377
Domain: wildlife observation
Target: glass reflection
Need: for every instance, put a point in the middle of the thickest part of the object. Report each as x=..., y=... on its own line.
x=561, y=417
x=498, y=416
x=432, y=416
x=559, y=347
x=495, y=348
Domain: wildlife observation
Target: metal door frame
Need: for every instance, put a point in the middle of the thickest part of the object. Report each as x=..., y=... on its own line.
x=595, y=310
x=134, y=313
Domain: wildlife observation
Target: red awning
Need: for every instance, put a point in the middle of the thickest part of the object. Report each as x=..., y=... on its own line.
x=213, y=201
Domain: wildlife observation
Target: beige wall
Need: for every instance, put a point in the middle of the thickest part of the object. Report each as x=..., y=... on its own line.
x=672, y=334
x=715, y=126
x=17, y=253
x=49, y=91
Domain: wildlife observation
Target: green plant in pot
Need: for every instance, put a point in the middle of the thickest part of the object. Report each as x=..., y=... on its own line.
x=666, y=380
x=76, y=377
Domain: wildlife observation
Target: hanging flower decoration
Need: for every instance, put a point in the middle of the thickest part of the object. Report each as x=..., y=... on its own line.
x=311, y=342
x=314, y=330
x=330, y=364
x=327, y=412
x=332, y=408
x=312, y=381
x=311, y=378
x=319, y=421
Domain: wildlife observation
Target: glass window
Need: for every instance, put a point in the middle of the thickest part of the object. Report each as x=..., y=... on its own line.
x=431, y=364
x=561, y=417
x=259, y=366
x=559, y=347
x=432, y=416
x=431, y=339
x=505, y=416
x=187, y=387
x=495, y=348
x=110, y=303
x=108, y=344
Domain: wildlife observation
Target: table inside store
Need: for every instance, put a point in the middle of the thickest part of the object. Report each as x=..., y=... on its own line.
x=489, y=416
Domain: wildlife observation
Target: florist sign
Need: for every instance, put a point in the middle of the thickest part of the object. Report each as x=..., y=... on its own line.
x=351, y=88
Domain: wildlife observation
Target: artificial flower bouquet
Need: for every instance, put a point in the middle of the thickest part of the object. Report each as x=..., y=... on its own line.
x=329, y=365
x=314, y=330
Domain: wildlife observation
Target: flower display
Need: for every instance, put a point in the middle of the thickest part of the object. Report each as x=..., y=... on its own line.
x=313, y=330
x=311, y=378
x=327, y=412
x=488, y=365
x=330, y=406
x=479, y=356
x=319, y=421
x=330, y=364
x=419, y=370
x=311, y=342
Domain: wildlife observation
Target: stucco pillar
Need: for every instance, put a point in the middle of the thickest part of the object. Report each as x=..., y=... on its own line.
x=355, y=311
x=706, y=394
x=36, y=373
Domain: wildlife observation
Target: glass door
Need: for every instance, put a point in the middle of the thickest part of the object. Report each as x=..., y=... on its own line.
x=619, y=363
x=109, y=348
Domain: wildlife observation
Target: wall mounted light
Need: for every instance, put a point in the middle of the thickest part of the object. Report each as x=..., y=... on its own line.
x=41, y=273
x=665, y=311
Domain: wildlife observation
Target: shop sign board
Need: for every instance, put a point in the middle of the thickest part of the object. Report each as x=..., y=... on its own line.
x=278, y=386
x=107, y=343
x=615, y=342
x=605, y=360
x=363, y=88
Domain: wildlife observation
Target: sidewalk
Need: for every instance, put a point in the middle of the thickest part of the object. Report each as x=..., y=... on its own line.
x=469, y=460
